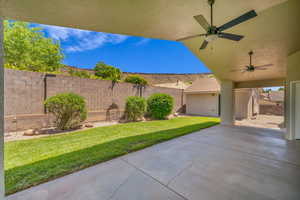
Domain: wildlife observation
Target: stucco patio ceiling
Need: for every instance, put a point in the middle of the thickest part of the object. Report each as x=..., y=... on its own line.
x=273, y=35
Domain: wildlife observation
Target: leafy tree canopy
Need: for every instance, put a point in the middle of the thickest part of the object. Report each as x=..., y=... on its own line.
x=135, y=79
x=27, y=48
x=107, y=72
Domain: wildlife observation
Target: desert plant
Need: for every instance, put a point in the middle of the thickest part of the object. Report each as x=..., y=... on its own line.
x=135, y=108
x=107, y=72
x=69, y=110
x=160, y=105
x=135, y=79
x=79, y=73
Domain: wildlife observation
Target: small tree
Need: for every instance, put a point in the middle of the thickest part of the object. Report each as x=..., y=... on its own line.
x=107, y=72
x=27, y=48
x=135, y=79
x=160, y=105
x=135, y=108
x=69, y=110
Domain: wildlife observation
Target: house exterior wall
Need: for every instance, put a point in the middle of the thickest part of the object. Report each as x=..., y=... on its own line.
x=24, y=97
x=202, y=104
x=293, y=78
x=246, y=103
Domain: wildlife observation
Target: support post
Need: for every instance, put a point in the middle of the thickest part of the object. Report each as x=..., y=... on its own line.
x=2, y=189
x=227, y=103
x=293, y=78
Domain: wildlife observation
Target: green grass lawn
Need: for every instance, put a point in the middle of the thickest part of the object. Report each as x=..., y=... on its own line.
x=30, y=162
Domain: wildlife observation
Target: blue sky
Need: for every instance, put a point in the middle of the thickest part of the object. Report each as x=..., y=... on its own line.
x=131, y=54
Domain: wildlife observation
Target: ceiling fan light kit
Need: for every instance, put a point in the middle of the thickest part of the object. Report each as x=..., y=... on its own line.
x=210, y=38
x=214, y=32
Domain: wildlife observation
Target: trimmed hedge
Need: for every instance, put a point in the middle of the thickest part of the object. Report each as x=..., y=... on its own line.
x=160, y=105
x=135, y=108
x=69, y=110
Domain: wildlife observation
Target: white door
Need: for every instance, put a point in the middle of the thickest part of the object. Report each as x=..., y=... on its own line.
x=297, y=111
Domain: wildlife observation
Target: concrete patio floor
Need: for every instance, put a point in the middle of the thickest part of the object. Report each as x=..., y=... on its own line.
x=222, y=162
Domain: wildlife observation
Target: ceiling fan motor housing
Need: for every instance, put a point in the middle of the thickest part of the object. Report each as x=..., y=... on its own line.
x=250, y=68
x=212, y=30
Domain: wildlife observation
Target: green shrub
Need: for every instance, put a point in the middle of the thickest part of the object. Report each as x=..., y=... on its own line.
x=135, y=108
x=69, y=110
x=135, y=79
x=160, y=105
x=79, y=73
x=107, y=72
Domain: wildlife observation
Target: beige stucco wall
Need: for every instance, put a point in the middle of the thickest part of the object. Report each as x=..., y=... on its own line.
x=202, y=104
x=246, y=103
x=293, y=74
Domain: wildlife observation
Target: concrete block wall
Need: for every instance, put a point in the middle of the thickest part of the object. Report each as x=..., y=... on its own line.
x=271, y=109
x=24, y=97
x=23, y=92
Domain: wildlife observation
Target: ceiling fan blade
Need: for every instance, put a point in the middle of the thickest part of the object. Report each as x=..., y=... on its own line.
x=236, y=70
x=249, y=15
x=190, y=37
x=202, y=21
x=230, y=36
x=204, y=44
x=262, y=66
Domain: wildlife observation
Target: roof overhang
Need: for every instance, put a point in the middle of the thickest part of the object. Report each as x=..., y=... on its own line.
x=260, y=83
x=273, y=35
x=202, y=92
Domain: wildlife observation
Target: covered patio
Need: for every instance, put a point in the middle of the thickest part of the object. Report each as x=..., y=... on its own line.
x=222, y=162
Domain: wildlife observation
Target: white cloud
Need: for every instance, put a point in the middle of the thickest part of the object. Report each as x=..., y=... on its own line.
x=83, y=40
x=142, y=41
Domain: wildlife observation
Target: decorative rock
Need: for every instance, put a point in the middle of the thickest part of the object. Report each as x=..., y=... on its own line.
x=176, y=114
x=123, y=120
x=169, y=117
x=30, y=132
x=89, y=125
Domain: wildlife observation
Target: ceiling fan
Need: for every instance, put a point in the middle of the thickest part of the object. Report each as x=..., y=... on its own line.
x=251, y=67
x=213, y=32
